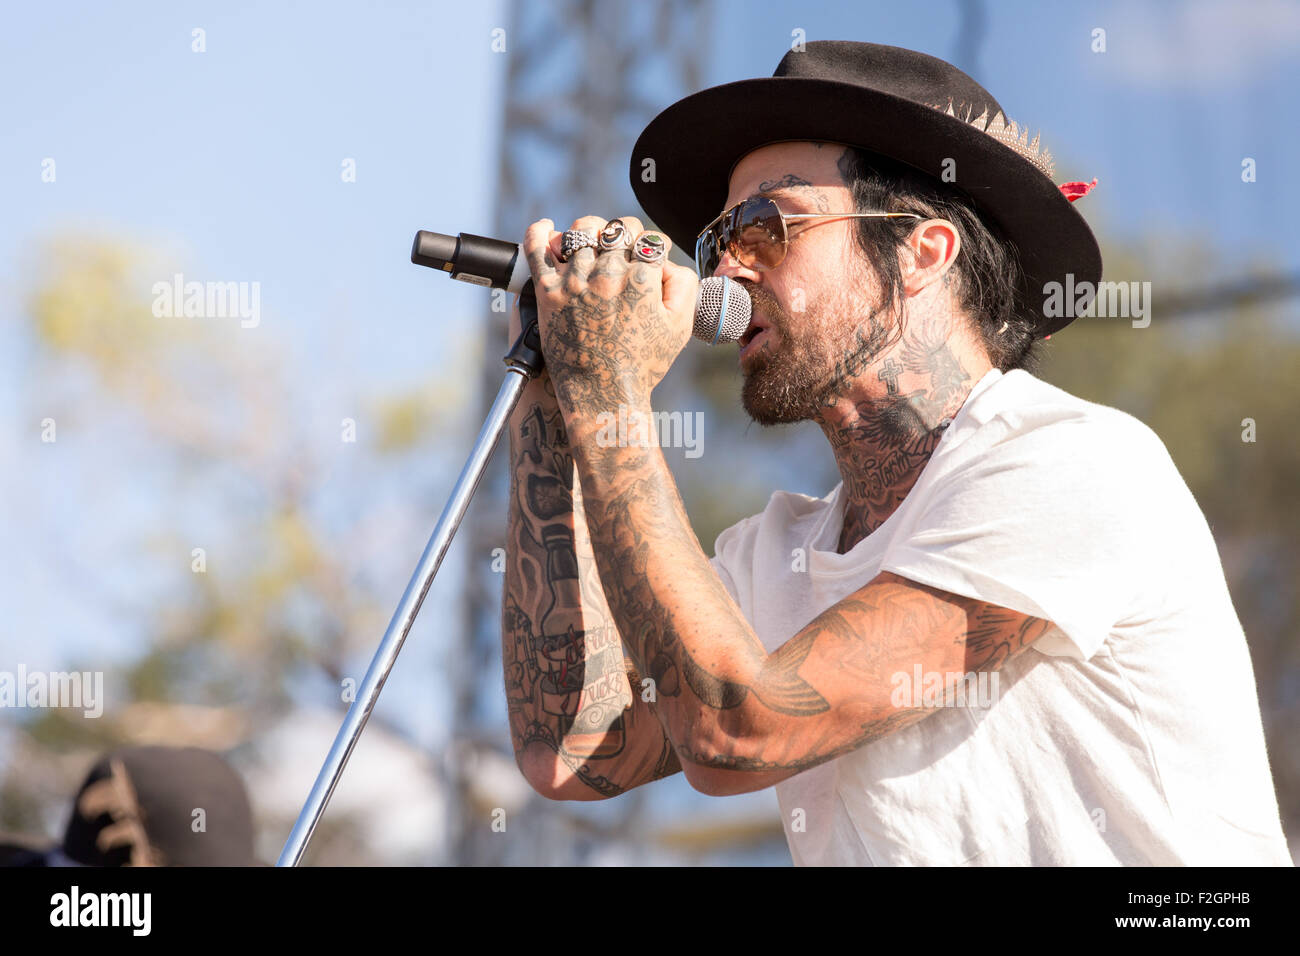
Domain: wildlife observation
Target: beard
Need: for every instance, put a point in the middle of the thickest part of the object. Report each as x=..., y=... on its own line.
x=815, y=359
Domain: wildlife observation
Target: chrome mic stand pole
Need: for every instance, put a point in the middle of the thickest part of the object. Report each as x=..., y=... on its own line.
x=523, y=361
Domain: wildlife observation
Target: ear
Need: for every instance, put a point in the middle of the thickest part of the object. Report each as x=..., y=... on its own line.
x=934, y=244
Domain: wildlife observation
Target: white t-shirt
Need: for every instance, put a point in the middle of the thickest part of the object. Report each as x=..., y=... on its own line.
x=1129, y=733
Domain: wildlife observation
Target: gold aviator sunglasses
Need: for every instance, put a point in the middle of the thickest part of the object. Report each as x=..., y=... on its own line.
x=754, y=232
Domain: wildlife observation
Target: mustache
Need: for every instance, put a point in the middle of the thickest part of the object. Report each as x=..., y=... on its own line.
x=764, y=300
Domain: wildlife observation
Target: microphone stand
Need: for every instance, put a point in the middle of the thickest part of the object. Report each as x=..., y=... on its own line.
x=523, y=362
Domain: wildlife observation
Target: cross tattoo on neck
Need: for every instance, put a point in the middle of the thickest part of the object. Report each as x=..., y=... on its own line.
x=889, y=375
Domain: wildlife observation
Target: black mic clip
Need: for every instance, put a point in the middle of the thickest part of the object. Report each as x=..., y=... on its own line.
x=526, y=353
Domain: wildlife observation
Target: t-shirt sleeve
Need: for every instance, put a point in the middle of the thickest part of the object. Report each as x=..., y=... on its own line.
x=733, y=559
x=725, y=575
x=1057, y=522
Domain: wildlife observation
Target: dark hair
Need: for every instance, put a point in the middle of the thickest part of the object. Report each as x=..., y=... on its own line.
x=987, y=267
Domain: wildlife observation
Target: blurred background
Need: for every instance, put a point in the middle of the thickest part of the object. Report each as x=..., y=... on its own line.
x=220, y=514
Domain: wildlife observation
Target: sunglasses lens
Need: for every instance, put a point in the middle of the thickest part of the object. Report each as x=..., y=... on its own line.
x=752, y=232
x=760, y=237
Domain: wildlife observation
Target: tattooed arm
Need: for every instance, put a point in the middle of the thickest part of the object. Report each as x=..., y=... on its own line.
x=578, y=725
x=739, y=718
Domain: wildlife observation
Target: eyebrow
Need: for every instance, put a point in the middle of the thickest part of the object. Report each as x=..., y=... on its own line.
x=777, y=191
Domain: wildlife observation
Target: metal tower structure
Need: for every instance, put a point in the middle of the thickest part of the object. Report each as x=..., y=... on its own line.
x=584, y=78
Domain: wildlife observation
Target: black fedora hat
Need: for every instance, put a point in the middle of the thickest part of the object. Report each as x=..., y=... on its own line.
x=913, y=108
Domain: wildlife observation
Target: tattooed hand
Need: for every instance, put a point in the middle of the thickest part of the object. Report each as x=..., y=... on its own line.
x=611, y=325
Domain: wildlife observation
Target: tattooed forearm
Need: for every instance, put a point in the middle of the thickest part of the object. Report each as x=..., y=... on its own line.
x=643, y=545
x=566, y=677
x=942, y=632
x=868, y=732
x=725, y=702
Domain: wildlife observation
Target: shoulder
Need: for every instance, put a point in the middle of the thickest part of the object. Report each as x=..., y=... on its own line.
x=1025, y=449
x=1021, y=413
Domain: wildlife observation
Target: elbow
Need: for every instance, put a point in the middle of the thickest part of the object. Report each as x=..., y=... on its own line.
x=711, y=781
x=716, y=768
x=722, y=761
x=551, y=778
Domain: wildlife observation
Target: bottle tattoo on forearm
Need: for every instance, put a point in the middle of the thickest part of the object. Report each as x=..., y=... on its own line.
x=566, y=679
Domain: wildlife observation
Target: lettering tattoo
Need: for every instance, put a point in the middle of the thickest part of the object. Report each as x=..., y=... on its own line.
x=869, y=341
x=788, y=181
x=799, y=184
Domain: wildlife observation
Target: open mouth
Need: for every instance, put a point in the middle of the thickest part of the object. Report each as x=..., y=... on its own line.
x=754, y=338
x=757, y=326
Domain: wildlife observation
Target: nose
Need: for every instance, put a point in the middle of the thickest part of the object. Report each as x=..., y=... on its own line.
x=731, y=267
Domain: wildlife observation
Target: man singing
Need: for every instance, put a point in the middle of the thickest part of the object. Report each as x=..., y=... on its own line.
x=1003, y=638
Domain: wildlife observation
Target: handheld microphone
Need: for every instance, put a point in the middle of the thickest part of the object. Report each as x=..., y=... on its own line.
x=722, y=308
x=494, y=263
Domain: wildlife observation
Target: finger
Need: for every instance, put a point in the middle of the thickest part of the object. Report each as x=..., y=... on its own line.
x=612, y=263
x=553, y=245
x=634, y=226
x=537, y=249
x=631, y=229
x=649, y=255
x=581, y=264
x=681, y=286
x=652, y=247
x=628, y=227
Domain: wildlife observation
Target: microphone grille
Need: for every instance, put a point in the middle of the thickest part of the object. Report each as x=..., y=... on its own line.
x=722, y=311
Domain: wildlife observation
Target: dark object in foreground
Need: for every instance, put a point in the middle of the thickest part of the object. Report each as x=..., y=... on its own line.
x=151, y=806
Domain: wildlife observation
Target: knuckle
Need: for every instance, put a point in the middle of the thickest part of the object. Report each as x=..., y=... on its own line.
x=608, y=267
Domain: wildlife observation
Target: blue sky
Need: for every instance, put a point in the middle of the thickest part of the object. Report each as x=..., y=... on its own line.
x=228, y=162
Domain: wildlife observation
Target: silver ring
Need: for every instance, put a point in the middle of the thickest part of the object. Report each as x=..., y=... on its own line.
x=614, y=236
x=650, y=247
x=572, y=241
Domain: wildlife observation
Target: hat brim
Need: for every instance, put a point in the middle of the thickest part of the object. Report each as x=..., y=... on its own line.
x=696, y=143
